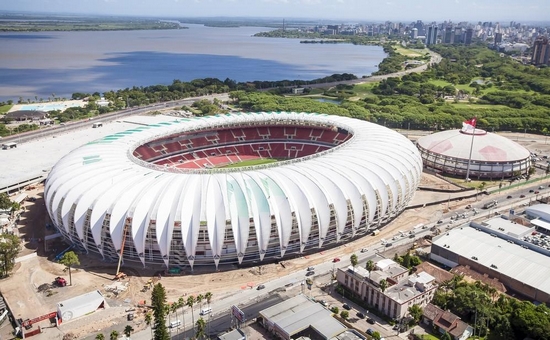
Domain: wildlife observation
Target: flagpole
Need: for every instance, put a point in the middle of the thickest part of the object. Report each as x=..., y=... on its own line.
x=470, y=157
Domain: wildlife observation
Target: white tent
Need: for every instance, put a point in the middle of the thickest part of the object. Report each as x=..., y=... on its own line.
x=80, y=305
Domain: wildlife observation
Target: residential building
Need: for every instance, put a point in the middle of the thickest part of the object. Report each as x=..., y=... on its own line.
x=541, y=51
x=446, y=322
x=403, y=290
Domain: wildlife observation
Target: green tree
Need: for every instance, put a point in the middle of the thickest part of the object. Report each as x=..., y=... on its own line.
x=344, y=314
x=100, y=336
x=128, y=330
x=407, y=260
x=416, y=312
x=335, y=310
x=113, y=335
x=10, y=245
x=354, y=260
x=370, y=266
x=70, y=259
x=158, y=301
x=383, y=285
x=376, y=335
x=446, y=336
x=201, y=329
x=6, y=203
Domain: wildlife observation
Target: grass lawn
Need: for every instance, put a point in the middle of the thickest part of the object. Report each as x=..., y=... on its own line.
x=474, y=106
x=429, y=337
x=443, y=83
x=364, y=90
x=408, y=52
x=5, y=108
x=251, y=162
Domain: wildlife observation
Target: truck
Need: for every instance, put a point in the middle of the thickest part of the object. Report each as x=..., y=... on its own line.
x=490, y=205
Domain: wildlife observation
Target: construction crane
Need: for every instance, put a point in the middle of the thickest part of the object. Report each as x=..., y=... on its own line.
x=119, y=274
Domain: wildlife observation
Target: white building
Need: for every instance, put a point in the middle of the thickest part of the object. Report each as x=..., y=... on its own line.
x=403, y=290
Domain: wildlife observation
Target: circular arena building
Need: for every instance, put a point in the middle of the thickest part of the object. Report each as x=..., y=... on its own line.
x=194, y=191
x=492, y=156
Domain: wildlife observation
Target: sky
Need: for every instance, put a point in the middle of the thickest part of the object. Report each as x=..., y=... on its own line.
x=503, y=11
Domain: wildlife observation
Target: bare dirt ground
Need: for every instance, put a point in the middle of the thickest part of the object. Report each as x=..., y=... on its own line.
x=30, y=293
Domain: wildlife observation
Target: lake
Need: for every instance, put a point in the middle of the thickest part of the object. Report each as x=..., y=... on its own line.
x=42, y=63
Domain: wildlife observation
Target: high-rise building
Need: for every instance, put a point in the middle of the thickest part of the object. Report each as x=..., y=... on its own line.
x=498, y=38
x=458, y=35
x=431, y=37
x=541, y=51
x=468, y=36
x=449, y=35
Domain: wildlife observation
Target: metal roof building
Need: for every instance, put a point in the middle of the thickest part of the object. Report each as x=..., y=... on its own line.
x=519, y=268
x=157, y=188
x=493, y=156
x=295, y=315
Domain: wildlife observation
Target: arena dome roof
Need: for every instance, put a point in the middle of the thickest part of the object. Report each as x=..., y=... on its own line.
x=102, y=190
x=487, y=147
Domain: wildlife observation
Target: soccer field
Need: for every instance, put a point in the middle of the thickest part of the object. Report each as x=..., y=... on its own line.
x=251, y=162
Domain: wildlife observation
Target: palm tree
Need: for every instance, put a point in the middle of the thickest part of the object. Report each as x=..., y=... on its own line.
x=128, y=330
x=181, y=303
x=199, y=299
x=208, y=297
x=100, y=336
x=149, y=321
x=114, y=335
x=174, y=308
x=201, y=329
x=190, y=303
x=383, y=285
x=370, y=266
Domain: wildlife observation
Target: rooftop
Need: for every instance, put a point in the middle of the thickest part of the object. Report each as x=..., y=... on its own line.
x=525, y=265
x=299, y=313
x=504, y=226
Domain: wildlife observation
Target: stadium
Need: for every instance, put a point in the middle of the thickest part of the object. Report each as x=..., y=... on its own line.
x=232, y=188
x=492, y=156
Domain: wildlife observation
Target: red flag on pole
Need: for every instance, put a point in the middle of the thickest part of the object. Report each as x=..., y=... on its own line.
x=469, y=125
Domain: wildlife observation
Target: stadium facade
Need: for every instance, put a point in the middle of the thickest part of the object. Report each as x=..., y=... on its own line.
x=159, y=191
x=492, y=156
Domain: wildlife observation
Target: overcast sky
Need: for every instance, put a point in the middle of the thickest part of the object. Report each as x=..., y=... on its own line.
x=367, y=10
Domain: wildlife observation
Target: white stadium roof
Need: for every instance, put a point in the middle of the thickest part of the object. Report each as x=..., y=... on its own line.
x=488, y=147
x=104, y=178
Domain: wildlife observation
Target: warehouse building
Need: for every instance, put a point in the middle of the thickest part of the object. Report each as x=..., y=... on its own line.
x=520, y=265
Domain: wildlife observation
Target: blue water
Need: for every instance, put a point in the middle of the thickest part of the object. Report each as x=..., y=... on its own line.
x=45, y=64
x=328, y=100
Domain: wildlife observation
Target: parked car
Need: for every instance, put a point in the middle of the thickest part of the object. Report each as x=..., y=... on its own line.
x=370, y=331
x=364, y=250
x=521, y=196
x=346, y=306
x=360, y=315
x=310, y=268
x=537, y=192
x=311, y=272
x=531, y=190
x=371, y=321
x=336, y=259
x=509, y=196
x=260, y=287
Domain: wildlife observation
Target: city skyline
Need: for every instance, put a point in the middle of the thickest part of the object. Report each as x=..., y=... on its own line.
x=427, y=10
